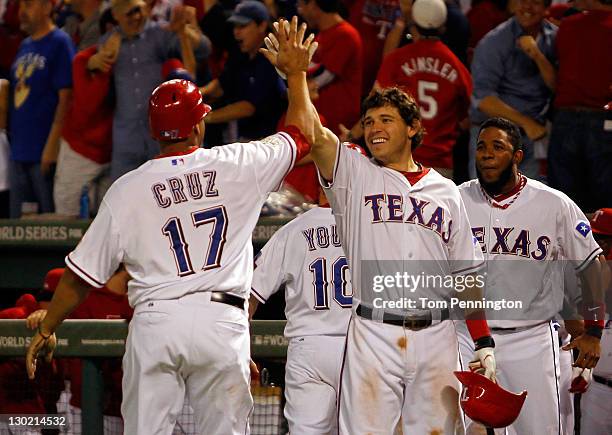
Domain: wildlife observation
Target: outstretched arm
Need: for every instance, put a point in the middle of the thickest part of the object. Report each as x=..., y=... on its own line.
x=291, y=56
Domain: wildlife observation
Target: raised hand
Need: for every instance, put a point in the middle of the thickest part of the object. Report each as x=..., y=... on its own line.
x=287, y=50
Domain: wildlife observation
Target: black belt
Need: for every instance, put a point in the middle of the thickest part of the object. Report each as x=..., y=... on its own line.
x=409, y=321
x=226, y=298
x=602, y=380
x=503, y=329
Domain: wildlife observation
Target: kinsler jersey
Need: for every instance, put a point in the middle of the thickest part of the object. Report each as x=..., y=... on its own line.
x=527, y=238
x=388, y=226
x=307, y=256
x=176, y=220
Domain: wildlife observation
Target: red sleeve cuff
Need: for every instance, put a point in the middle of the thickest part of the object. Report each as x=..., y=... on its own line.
x=301, y=143
x=478, y=328
x=594, y=315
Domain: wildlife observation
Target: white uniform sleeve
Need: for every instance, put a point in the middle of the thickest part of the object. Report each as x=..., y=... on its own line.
x=269, y=273
x=465, y=255
x=98, y=254
x=575, y=236
x=346, y=168
x=272, y=158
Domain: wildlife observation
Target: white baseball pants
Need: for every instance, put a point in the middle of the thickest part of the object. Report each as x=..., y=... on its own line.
x=312, y=381
x=390, y=371
x=188, y=344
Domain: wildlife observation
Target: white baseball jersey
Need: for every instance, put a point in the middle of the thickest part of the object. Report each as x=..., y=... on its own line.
x=386, y=224
x=306, y=255
x=526, y=238
x=183, y=224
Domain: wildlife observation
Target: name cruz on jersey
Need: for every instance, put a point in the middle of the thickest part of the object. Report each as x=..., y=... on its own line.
x=394, y=212
x=507, y=241
x=195, y=184
x=431, y=65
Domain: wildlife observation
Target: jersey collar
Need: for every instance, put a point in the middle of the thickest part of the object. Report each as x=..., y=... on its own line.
x=514, y=193
x=178, y=153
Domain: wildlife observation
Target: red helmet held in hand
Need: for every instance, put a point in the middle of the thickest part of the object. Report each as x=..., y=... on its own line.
x=487, y=403
x=174, y=108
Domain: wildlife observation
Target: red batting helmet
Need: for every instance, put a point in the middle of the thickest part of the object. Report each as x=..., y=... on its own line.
x=487, y=403
x=174, y=108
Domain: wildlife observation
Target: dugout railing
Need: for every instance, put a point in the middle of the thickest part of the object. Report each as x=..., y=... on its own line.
x=94, y=340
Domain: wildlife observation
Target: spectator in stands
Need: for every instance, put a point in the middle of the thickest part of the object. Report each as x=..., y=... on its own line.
x=253, y=93
x=437, y=78
x=514, y=77
x=373, y=19
x=40, y=91
x=4, y=150
x=10, y=35
x=145, y=46
x=337, y=64
x=456, y=32
x=484, y=16
x=580, y=147
x=214, y=24
x=85, y=149
x=108, y=302
x=83, y=26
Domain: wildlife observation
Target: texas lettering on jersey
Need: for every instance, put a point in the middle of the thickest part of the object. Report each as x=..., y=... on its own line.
x=389, y=208
x=513, y=241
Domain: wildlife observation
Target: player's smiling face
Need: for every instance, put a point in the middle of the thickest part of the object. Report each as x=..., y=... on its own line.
x=495, y=156
x=387, y=135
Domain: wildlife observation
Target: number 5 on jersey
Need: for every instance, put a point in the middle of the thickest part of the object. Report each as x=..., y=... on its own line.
x=180, y=248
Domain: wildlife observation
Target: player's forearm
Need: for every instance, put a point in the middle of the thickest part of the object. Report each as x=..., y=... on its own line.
x=253, y=304
x=300, y=111
x=324, y=151
x=593, y=297
x=475, y=318
x=70, y=292
x=231, y=112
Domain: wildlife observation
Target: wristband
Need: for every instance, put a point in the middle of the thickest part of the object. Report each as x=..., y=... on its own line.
x=594, y=315
x=594, y=331
x=43, y=335
x=483, y=342
x=477, y=326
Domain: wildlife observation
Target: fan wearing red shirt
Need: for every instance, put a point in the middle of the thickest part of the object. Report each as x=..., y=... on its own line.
x=579, y=153
x=337, y=63
x=436, y=77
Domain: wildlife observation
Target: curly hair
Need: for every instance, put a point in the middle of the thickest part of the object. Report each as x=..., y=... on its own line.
x=405, y=104
x=512, y=130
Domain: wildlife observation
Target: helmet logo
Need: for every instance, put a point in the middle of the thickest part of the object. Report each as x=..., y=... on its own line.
x=169, y=134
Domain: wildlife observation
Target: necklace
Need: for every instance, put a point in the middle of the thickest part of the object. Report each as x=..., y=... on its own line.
x=495, y=204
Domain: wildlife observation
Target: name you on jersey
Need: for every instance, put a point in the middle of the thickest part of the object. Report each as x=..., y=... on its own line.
x=431, y=65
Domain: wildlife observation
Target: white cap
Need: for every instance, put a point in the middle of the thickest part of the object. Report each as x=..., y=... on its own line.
x=429, y=14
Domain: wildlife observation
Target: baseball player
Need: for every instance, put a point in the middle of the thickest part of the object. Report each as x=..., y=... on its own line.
x=306, y=256
x=596, y=403
x=525, y=229
x=181, y=224
x=393, y=213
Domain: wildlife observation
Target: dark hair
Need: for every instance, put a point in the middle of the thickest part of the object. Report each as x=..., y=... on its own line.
x=511, y=129
x=106, y=18
x=328, y=5
x=405, y=104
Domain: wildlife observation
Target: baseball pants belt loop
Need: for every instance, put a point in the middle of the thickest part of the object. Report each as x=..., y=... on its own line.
x=602, y=380
x=226, y=298
x=413, y=322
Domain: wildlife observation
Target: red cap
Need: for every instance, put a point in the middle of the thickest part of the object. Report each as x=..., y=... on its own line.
x=28, y=302
x=14, y=313
x=52, y=279
x=557, y=11
x=601, y=222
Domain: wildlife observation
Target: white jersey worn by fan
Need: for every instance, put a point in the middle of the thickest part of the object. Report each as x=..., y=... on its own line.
x=386, y=223
x=528, y=237
x=182, y=226
x=307, y=257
